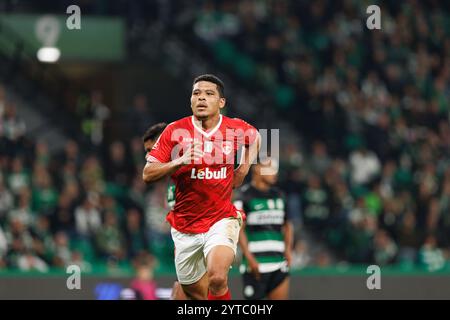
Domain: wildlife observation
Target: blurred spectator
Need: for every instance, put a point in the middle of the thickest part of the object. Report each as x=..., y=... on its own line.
x=92, y=175
x=71, y=154
x=143, y=282
x=207, y=26
x=139, y=116
x=13, y=128
x=112, y=204
x=118, y=169
x=93, y=114
x=78, y=259
x=43, y=244
x=323, y=259
x=29, y=262
x=110, y=241
x=69, y=174
x=365, y=166
x=385, y=249
x=301, y=258
x=72, y=189
x=19, y=177
x=433, y=215
x=19, y=241
x=44, y=195
x=430, y=256
x=87, y=217
x=6, y=200
x=23, y=212
x=408, y=238
x=62, y=254
x=137, y=154
x=100, y=113
x=62, y=217
x=359, y=238
x=42, y=155
x=320, y=160
x=137, y=192
x=136, y=237
x=316, y=204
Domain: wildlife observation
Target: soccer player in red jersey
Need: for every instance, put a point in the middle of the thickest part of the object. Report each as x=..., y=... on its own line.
x=198, y=152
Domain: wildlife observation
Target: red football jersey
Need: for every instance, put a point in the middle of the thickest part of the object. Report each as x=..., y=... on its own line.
x=203, y=190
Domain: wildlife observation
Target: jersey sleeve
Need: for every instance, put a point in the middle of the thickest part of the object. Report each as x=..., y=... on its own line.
x=161, y=151
x=246, y=133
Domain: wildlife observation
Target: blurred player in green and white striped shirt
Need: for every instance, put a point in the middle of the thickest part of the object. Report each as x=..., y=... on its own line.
x=266, y=237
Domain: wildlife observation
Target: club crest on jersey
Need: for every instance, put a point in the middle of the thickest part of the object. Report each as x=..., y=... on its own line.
x=206, y=173
x=227, y=147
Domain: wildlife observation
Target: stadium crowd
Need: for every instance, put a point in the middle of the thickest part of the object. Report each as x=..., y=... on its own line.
x=77, y=206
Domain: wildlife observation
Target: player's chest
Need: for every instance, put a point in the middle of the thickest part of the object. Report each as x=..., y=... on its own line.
x=216, y=164
x=217, y=149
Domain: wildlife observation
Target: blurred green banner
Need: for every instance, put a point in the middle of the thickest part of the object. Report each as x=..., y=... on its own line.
x=99, y=39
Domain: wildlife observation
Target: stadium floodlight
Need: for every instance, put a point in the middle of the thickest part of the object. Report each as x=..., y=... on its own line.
x=48, y=54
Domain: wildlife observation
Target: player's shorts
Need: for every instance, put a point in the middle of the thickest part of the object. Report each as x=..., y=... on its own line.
x=191, y=250
x=257, y=290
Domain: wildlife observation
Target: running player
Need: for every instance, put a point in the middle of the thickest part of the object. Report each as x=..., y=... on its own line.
x=266, y=237
x=198, y=153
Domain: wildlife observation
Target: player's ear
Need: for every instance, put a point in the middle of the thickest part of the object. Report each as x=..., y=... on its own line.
x=222, y=103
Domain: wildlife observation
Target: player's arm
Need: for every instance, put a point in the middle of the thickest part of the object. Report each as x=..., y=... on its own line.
x=243, y=243
x=288, y=233
x=154, y=171
x=249, y=154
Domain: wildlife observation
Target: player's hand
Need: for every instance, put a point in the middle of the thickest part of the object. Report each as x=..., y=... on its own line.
x=193, y=154
x=254, y=267
x=239, y=176
x=288, y=256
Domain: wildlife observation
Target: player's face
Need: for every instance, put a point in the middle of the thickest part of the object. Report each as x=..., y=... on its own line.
x=205, y=100
x=269, y=177
x=148, y=145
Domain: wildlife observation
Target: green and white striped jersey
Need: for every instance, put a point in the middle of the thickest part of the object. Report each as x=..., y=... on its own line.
x=266, y=216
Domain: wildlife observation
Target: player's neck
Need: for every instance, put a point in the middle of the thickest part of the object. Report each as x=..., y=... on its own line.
x=261, y=185
x=209, y=123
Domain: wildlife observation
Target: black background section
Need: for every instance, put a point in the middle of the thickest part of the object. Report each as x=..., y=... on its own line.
x=156, y=310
